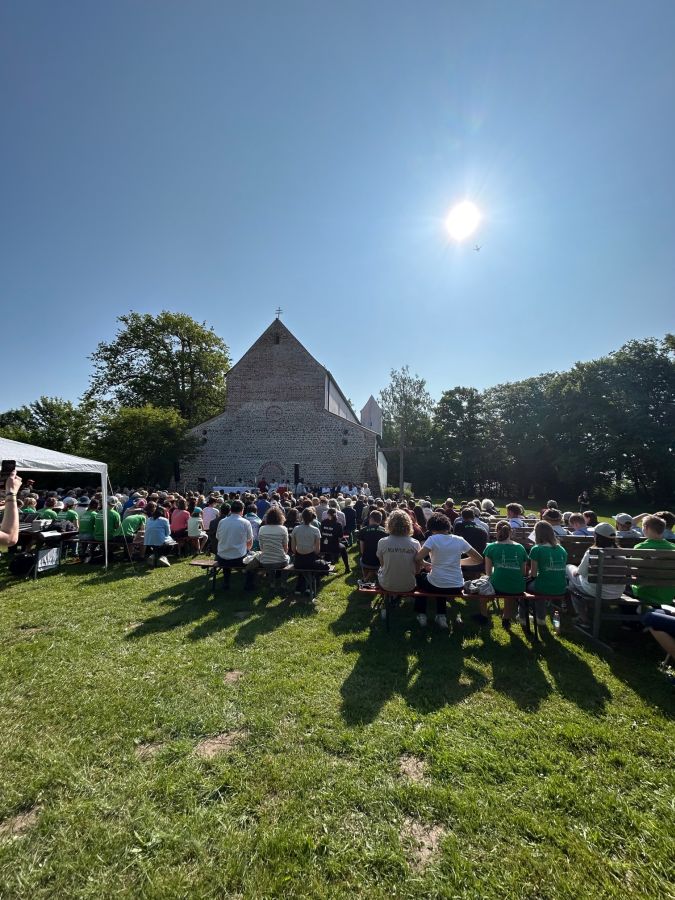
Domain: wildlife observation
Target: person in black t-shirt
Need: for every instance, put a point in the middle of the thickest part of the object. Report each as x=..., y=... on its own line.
x=350, y=521
x=369, y=537
x=466, y=527
x=331, y=539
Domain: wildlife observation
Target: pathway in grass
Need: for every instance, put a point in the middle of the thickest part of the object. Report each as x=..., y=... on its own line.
x=171, y=744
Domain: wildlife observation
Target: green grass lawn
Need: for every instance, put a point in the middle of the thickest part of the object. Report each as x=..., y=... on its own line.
x=353, y=762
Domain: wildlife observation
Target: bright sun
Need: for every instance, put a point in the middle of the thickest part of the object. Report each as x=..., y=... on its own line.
x=462, y=220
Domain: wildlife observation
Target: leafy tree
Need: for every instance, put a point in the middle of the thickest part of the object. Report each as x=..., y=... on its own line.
x=144, y=445
x=168, y=360
x=406, y=408
x=52, y=423
x=466, y=440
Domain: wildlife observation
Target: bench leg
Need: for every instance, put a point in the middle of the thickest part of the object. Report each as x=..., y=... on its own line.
x=534, y=619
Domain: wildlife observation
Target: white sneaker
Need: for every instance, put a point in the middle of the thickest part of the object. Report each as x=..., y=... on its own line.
x=163, y=561
x=422, y=620
x=442, y=621
x=458, y=619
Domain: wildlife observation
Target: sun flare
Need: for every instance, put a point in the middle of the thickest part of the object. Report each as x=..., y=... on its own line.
x=462, y=220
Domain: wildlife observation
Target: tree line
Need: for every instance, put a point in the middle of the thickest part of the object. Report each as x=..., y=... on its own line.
x=607, y=425
x=156, y=379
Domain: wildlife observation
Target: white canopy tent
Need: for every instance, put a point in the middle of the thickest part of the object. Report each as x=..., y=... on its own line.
x=38, y=459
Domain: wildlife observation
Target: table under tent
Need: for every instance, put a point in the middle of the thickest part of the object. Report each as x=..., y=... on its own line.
x=38, y=459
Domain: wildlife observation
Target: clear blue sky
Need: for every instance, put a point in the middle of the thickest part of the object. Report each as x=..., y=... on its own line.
x=222, y=158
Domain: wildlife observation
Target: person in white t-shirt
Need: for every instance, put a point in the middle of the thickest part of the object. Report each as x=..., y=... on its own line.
x=210, y=512
x=445, y=551
x=273, y=539
x=235, y=539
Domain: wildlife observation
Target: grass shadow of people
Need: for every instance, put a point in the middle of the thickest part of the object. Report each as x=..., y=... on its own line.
x=516, y=669
x=426, y=668
x=573, y=676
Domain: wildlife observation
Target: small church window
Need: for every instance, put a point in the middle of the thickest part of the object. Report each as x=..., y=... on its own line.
x=276, y=338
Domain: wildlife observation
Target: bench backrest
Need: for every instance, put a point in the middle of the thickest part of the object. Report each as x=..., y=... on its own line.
x=576, y=546
x=655, y=568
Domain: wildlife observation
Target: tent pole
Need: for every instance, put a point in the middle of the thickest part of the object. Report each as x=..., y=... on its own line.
x=104, y=492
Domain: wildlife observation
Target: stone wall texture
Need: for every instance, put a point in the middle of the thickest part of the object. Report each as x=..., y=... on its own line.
x=275, y=418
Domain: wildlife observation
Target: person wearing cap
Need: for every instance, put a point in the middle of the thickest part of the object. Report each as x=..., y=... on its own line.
x=68, y=514
x=583, y=592
x=195, y=528
x=625, y=527
x=130, y=502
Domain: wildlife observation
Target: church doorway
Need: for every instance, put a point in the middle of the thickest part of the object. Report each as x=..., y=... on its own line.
x=272, y=472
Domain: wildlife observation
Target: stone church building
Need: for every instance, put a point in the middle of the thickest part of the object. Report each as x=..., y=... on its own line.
x=286, y=416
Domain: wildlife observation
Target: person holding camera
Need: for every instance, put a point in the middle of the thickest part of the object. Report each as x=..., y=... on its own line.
x=9, y=528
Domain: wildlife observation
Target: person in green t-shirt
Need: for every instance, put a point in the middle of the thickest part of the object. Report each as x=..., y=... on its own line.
x=131, y=524
x=87, y=519
x=505, y=564
x=653, y=528
x=68, y=514
x=114, y=522
x=48, y=511
x=547, y=567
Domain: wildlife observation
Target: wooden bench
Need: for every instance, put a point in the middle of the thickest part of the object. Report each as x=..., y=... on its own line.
x=211, y=567
x=391, y=598
x=311, y=577
x=629, y=567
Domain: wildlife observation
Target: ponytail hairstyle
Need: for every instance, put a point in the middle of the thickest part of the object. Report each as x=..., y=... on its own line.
x=503, y=531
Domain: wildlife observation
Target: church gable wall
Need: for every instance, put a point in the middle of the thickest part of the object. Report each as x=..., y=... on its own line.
x=272, y=371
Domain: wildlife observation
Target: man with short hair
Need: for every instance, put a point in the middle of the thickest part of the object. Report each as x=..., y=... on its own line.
x=235, y=539
x=577, y=525
x=262, y=505
x=369, y=537
x=467, y=527
x=653, y=528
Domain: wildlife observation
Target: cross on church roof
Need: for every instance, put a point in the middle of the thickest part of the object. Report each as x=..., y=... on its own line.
x=279, y=311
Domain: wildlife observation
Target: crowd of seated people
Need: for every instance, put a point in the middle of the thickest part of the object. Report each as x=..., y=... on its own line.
x=404, y=545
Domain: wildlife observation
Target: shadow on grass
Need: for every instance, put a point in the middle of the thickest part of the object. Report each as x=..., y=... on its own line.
x=634, y=660
x=426, y=668
x=573, y=676
x=192, y=602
